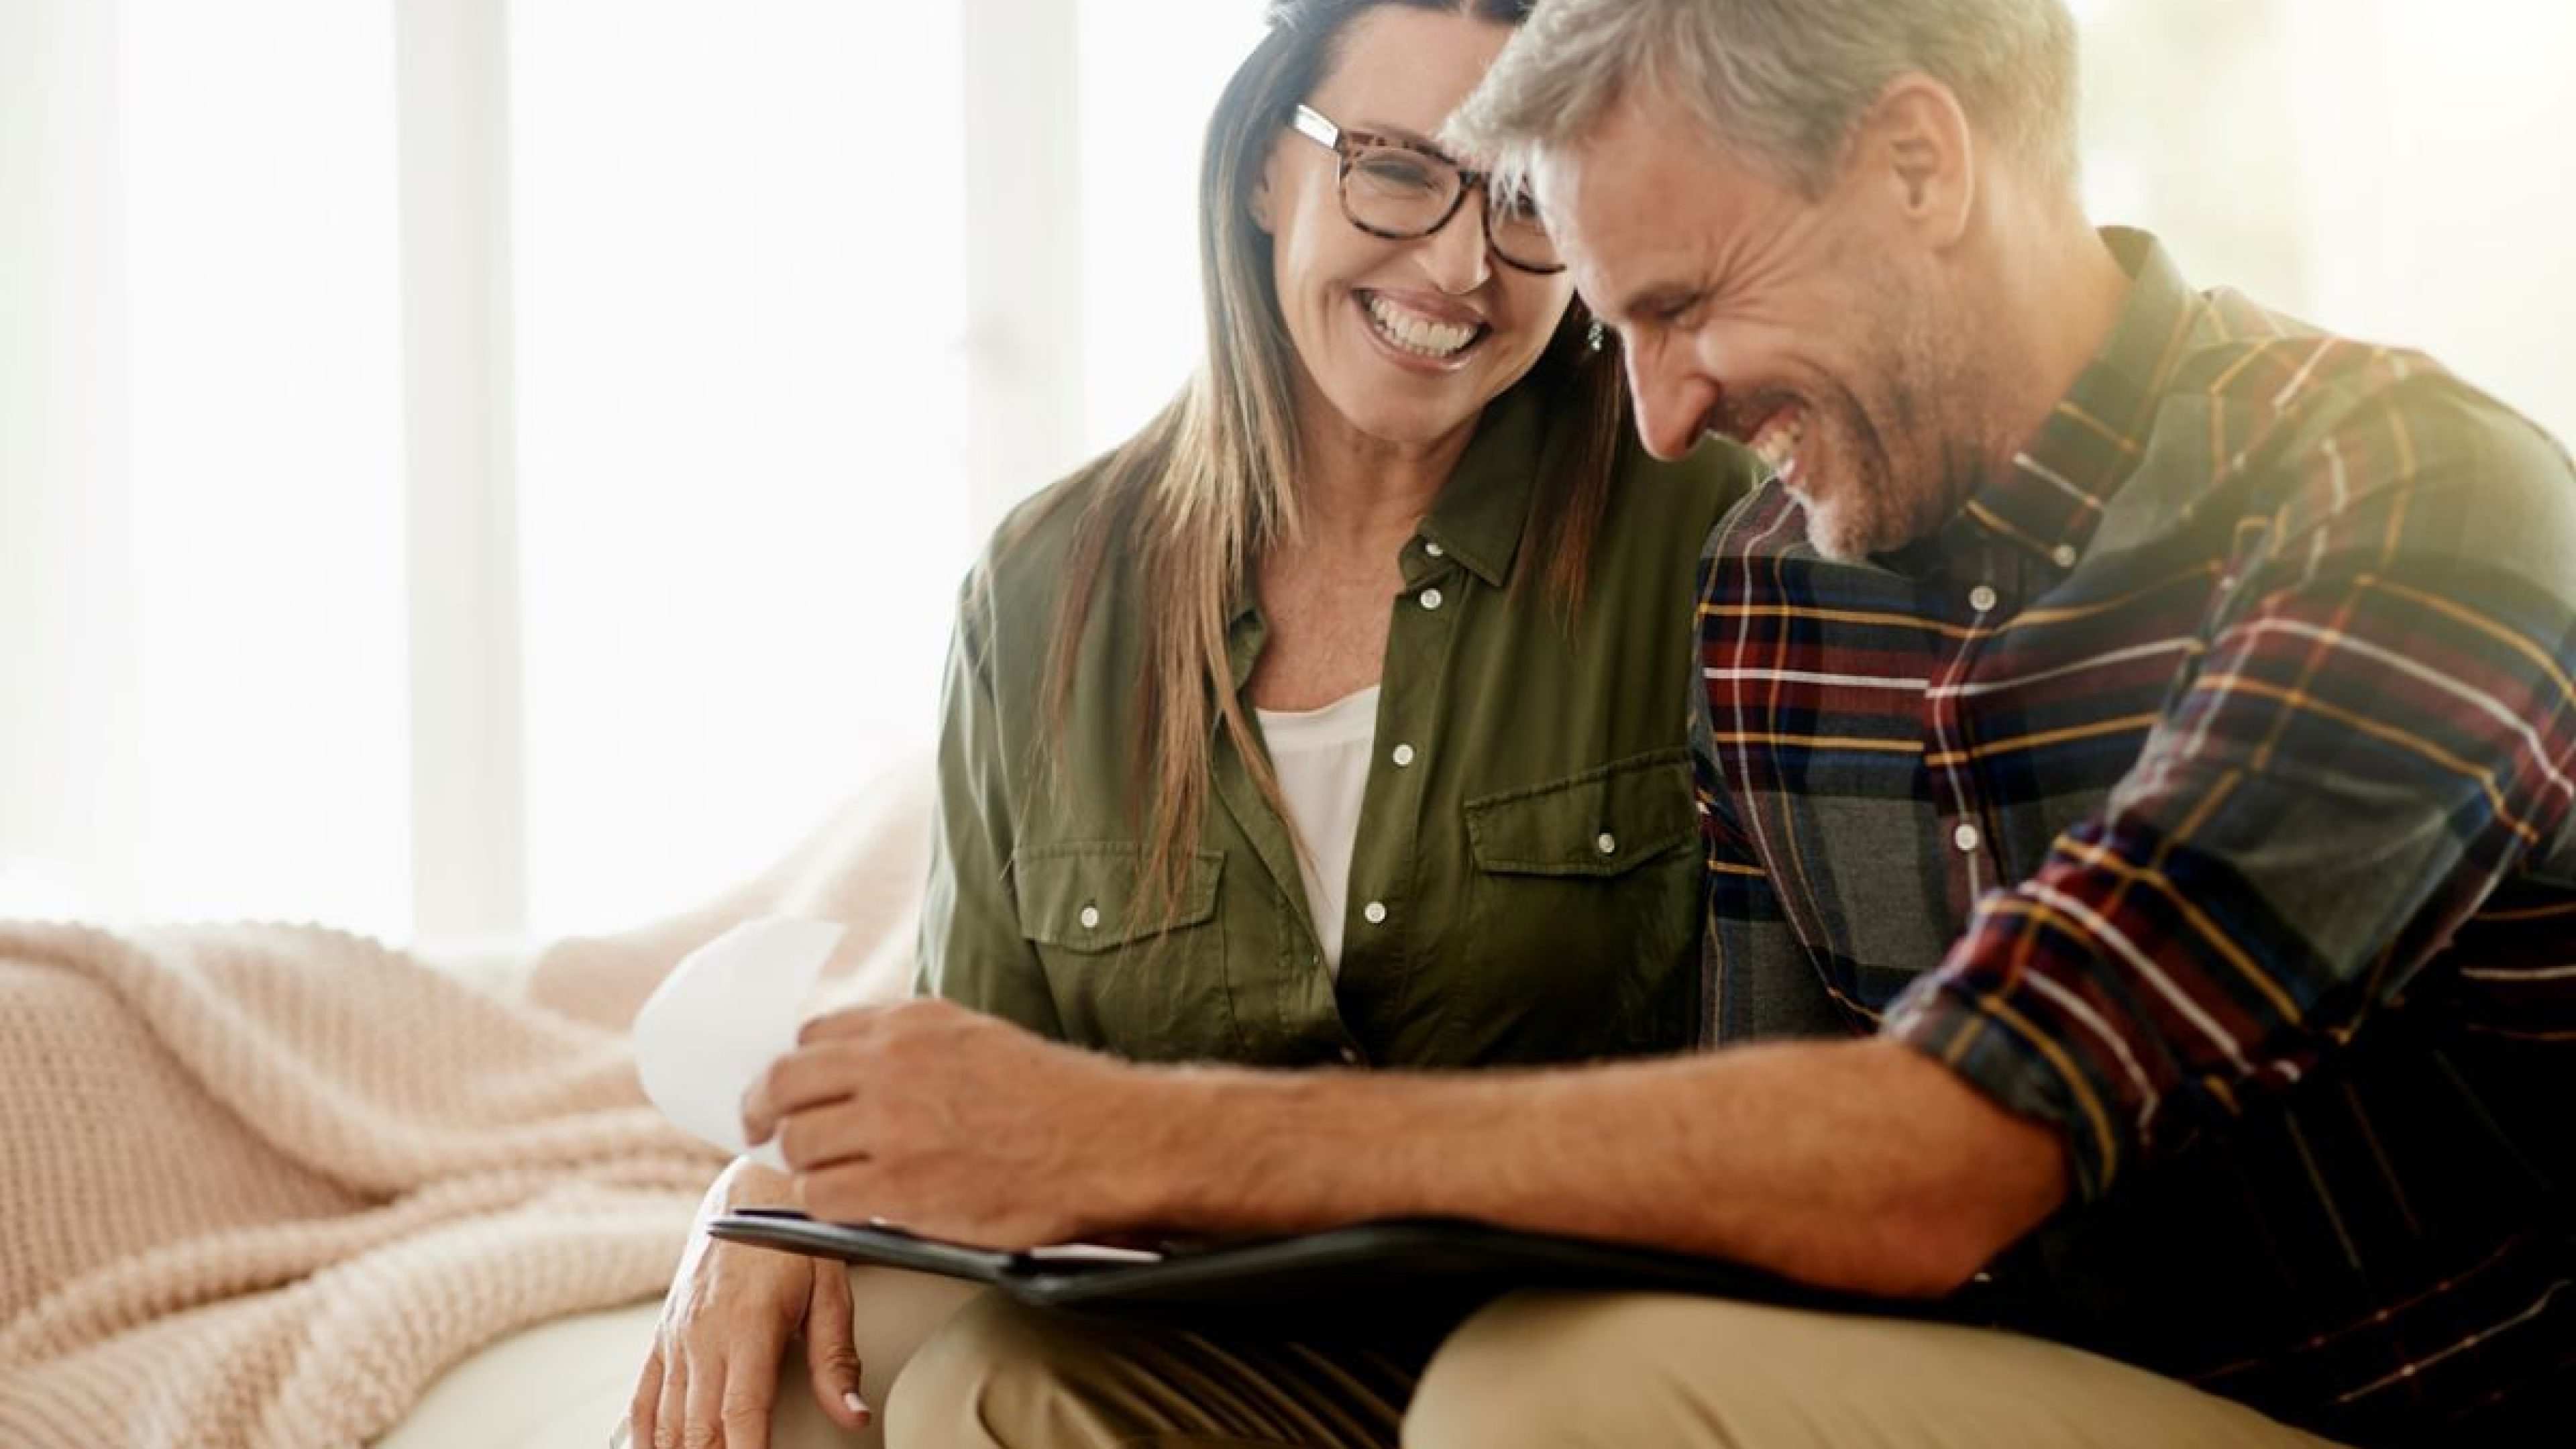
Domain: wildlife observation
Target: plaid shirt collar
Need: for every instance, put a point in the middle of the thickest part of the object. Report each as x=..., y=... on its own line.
x=2062, y=481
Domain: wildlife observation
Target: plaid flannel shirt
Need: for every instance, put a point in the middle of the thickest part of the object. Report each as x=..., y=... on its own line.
x=2203, y=790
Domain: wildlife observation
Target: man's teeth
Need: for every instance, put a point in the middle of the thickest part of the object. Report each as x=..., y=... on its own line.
x=1416, y=333
x=1777, y=444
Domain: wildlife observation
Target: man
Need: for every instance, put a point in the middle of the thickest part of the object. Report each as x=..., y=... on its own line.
x=2136, y=769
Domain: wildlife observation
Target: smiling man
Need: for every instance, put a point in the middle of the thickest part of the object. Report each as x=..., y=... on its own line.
x=2135, y=763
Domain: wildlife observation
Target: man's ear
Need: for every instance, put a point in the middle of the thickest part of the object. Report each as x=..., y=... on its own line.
x=1917, y=140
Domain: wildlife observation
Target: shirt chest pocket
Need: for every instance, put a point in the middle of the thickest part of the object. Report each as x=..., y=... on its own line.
x=1129, y=973
x=1586, y=890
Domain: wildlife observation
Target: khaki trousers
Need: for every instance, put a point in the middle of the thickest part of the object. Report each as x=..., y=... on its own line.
x=891, y=1313
x=1559, y=1370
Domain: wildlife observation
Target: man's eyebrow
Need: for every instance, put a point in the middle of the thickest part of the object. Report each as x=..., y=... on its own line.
x=1655, y=299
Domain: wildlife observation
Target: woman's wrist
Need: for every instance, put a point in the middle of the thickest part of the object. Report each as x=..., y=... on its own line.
x=745, y=1183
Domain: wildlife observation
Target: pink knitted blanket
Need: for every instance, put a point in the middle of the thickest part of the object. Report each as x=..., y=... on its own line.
x=259, y=1185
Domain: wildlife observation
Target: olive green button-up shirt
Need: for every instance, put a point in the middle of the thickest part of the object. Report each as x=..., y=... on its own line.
x=1525, y=884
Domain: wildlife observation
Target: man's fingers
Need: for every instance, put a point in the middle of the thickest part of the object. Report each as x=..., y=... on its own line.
x=832, y=1351
x=852, y=1191
x=850, y=1021
x=824, y=1136
x=804, y=1078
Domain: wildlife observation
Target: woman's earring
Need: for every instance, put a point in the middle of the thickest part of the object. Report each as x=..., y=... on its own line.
x=1596, y=336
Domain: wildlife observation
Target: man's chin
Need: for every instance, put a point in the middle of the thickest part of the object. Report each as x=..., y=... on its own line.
x=1834, y=534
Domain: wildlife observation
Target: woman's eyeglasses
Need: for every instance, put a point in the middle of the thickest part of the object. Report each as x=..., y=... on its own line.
x=1401, y=189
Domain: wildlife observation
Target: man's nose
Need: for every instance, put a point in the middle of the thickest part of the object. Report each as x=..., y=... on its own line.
x=1672, y=404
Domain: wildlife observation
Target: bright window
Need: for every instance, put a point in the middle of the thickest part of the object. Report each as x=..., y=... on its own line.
x=740, y=402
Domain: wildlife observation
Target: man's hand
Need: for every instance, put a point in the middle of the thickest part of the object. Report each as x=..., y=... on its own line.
x=953, y=1125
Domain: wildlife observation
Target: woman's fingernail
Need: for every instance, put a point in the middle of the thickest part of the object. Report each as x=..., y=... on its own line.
x=858, y=1406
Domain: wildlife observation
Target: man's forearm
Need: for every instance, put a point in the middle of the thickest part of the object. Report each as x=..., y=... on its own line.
x=1858, y=1165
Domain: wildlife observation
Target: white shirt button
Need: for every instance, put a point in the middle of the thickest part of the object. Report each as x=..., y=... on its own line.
x=1982, y=598
x=2065, y=555
x=1431, y=598
x=1374, y=912
x=1090, y=918
x=1966, y=837
x=1606, y=843
x=1433, y=549
x=1403, y=756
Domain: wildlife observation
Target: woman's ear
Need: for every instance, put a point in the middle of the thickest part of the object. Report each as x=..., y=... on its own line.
x=1260, y=199
x=1256, y=202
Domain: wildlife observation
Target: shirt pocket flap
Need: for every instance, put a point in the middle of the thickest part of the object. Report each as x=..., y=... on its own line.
x=1086, y=896
x=1603, y=822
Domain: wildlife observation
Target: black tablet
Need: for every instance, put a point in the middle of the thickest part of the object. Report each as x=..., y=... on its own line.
x=1405, y=1265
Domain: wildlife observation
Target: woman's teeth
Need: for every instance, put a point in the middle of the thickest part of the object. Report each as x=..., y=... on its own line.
x=1777, y=443
x=1422, y=336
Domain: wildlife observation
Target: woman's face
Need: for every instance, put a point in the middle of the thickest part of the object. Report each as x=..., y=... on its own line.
x=1404, y=341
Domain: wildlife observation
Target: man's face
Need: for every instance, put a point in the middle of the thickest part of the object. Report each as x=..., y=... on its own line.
x=1819, y=333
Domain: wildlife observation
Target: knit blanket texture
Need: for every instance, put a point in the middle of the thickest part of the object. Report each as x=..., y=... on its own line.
x=260, y=1184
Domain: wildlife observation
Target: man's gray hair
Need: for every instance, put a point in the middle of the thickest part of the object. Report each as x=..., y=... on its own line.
x=1780, y=83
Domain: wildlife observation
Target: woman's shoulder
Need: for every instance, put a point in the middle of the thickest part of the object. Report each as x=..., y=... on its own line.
x=1045, y=522
x=1660, y=513
x=1702, y=486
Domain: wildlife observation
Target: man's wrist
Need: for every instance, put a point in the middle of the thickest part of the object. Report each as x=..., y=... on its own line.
x=1151, y=1123
x=1229, y=1150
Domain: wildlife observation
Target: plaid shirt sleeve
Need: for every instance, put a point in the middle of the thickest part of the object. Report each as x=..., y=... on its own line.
x=2382, y=727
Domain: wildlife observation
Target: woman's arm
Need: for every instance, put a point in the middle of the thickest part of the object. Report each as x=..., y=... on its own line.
x=972, y=948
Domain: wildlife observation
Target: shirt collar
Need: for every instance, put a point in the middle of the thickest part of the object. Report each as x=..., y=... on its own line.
x=1483, y=509
x=2063, y=479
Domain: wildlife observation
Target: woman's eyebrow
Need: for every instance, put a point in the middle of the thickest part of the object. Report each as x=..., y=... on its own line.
x=1388, y=130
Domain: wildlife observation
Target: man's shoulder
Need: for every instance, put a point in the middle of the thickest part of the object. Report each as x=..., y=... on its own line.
x=2297, y=384
x=2303, y=426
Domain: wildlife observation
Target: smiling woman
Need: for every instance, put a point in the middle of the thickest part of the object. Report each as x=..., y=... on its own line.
x=1333, y=719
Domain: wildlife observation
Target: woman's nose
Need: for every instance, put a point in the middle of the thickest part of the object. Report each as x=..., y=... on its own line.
x=1455, y=256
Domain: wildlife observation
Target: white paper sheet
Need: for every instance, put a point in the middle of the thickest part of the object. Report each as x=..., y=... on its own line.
x=727, y=1011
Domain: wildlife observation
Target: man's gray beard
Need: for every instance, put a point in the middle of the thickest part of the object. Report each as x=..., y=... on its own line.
x=1835, y=545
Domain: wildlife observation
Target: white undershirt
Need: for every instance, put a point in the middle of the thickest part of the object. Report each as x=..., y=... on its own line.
x=1322, y=759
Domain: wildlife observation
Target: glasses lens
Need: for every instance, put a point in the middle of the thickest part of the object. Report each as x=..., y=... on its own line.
x=1518, y=234
x=1399, y=192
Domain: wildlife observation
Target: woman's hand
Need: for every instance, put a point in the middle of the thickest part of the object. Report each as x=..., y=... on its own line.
x=715, y=1368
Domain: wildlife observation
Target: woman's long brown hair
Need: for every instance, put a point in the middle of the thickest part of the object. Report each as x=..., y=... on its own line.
x=1207, y=488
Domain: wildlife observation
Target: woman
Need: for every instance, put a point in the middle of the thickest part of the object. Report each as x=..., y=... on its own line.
x=1337, y=717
